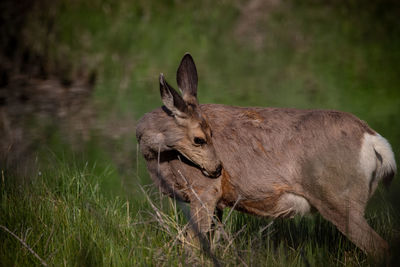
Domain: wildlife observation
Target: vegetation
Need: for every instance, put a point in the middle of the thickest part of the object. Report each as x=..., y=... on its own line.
x=87, y=200
x=63, y=215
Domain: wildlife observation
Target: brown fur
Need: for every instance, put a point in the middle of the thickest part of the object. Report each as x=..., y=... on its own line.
x=266, y=153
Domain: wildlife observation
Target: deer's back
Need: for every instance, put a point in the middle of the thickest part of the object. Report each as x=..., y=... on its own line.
x=267, y=151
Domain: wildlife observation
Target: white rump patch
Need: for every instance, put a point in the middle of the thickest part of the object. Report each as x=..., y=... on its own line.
x=376, y=159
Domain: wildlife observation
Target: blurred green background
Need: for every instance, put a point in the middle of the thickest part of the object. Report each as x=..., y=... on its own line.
x=75, y=76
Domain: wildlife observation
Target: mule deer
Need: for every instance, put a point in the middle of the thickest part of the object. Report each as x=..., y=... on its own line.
x=277, y=162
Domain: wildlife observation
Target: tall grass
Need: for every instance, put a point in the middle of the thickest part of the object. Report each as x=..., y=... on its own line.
x=62, y=216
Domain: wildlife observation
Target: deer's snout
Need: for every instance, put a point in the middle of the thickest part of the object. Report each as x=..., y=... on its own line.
x=215, y=173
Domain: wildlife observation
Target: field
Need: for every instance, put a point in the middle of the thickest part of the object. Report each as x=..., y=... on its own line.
x=74, y=190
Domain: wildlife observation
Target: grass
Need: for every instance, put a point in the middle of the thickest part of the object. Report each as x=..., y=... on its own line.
x=63, y=216
x=85, y=206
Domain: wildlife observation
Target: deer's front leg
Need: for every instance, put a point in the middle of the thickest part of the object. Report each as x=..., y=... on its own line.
x=201, y=213
x=201, y=216
x=202, y=207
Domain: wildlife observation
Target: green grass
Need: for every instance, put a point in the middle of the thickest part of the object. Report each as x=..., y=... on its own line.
x=64, y=216
x=87, y=209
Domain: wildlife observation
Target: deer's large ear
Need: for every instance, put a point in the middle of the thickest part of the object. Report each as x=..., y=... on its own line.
x=171, y=99
x=186, y=78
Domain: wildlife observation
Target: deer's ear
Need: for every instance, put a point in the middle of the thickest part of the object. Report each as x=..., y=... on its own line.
x=187, y=80
x=171, y=99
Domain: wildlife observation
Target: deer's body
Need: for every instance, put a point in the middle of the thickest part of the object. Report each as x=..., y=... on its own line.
x=277, y=162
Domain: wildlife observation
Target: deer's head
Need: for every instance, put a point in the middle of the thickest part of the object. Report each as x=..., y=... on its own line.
x=192, y=135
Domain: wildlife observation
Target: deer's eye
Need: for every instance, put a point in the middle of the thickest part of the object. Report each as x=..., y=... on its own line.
x=199, y=141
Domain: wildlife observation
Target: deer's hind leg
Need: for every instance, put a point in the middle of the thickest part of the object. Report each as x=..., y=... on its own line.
x=346, y=212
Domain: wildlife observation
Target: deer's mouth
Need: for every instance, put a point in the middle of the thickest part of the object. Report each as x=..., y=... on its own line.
x=205, y=172
x=214, y=174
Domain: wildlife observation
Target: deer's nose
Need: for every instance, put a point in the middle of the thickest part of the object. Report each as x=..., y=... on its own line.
x=217, y=171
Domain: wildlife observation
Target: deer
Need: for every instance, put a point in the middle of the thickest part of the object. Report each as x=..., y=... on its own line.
x=274, y=162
